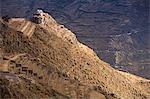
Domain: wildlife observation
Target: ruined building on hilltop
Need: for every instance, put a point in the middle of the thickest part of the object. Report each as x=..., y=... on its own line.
x=38, y=17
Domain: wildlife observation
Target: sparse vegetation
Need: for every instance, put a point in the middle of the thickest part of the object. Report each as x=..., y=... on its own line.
x=51, y=67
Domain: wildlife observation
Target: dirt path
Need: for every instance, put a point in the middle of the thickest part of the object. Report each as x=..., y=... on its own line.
x=5, y=66
x=16, y=56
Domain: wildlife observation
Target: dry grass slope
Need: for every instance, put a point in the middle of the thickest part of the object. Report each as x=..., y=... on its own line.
x=54, y=64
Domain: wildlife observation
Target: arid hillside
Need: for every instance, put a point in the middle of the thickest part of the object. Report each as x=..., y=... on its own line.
x=117, y=30
x=47, y=61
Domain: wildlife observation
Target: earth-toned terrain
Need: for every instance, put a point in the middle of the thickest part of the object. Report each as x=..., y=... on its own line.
x=117, y=30
x=47, y=61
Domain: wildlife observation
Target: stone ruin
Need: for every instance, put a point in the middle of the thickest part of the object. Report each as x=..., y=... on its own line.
x=38, y=17
x=6, y=18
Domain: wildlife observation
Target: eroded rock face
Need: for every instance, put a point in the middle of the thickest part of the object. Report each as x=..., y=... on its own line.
x=109, y=27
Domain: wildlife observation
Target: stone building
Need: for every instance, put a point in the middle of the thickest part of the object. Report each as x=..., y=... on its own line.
x=38, y=17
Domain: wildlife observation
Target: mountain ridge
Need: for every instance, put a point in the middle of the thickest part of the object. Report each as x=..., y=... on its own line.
x=52, y=61
x=111, y=28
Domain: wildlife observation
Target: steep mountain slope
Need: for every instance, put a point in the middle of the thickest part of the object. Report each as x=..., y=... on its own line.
x=47, y=61
x=117, y=30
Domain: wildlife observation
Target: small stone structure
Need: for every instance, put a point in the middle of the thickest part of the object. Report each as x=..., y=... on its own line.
x=38, y=17
x=6, y=18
